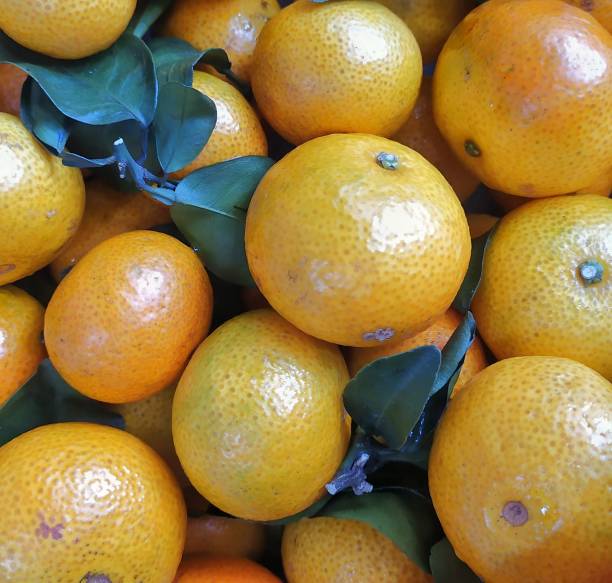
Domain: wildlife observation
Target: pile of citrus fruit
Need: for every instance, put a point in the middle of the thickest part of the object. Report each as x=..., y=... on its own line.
x=314, y=291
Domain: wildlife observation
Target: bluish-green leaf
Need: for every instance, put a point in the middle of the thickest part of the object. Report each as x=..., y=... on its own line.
x=387, y=396
x=47, y=398
x=147, y=12
x=42, y=118
x=447, y=567
x=112, y=86
x=406, y=518
x=471, y=281
x=184, y=121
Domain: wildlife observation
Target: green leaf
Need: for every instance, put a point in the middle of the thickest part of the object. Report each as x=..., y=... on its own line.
x=42, y=118
x=470, y=284
x=447, y=567
x=47, y=398
x=387, y=396
x=184, y=121
x=406, y=518
x=147, y=12
x=112, y=86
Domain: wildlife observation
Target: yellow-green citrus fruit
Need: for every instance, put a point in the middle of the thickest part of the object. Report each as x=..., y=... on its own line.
x=258, y=419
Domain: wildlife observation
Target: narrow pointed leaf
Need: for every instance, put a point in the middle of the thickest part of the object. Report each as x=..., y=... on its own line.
x=447, y=567
x=147, y=12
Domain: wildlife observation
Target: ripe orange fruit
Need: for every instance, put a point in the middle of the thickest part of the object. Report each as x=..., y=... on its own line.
x=85, y=502
x=273, y=428
x=430, y=22
x=421, y=134
x=70, y=29
x=436, y=335
x=21, y=347
x=332, y=550
x=480, y=223
x=122, y=324
x=11, y=81
x=375, y=243
x=108, y=212
x=225, y=537
x=601, y=10
x=518, y=468
x=233, y=25
x=547, y=282
x=42, y=202
x=238, y=131
x=335, y=67
x=223, y=570
x=523, y=94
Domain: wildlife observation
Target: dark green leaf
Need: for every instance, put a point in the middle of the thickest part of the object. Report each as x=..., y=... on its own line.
x=47, y=398
x=387, y=396
x=472, y=278
x=147, y=12
x=112, y=86
x=447, y=567
x=406, y=518
x=183, y=123
x=42, y=118
x=225, y=188
x=174, y=60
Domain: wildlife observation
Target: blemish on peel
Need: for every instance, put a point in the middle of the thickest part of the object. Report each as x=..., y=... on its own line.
x=380, y=335
x=50, y=214
x=6, y=268
x=95, y=578
x=47, y=529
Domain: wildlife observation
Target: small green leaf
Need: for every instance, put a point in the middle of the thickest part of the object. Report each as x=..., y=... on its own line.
x=42, y=118
x=174, y=60
x=406, y=518
x=147, y=12
x=183, y=123
x=47, y=398
x=447, y=567
x=112, y=86
x=387, y=396
x=470, y=284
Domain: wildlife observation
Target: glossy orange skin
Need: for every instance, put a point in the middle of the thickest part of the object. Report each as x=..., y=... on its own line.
x=223, y=570
x=81, y=500
x=122, y=324
x=541, y=438
x=436, y=335
x=238, y=131
x=526, y=87
x=368, y=254
x=12, y=79
x=421, y=133
x=21, y=347
x=335, y=67
x=108, y=212
x=601, y=10
x=532, y=299
x=233, y=25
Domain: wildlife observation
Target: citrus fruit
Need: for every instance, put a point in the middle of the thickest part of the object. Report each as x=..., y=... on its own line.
x=436, y=335
x=122, y=324
x=430, y=22
x=108, y=212
x=91, y=504
x=70, y=29
x=601, y=10
x=421, y=134
x=233, y=25
x=547, y=282
x=21, y=347
x=335, y=67
x=150, y=420
x=223, y=570
x=238, y=131
x=523, y=94
x=11, y=81
x=42, y=202
x=225, y=536
x=337, y=550
x=480, y=223
x=261, y=403
x=375, y=243
x=518, y=471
